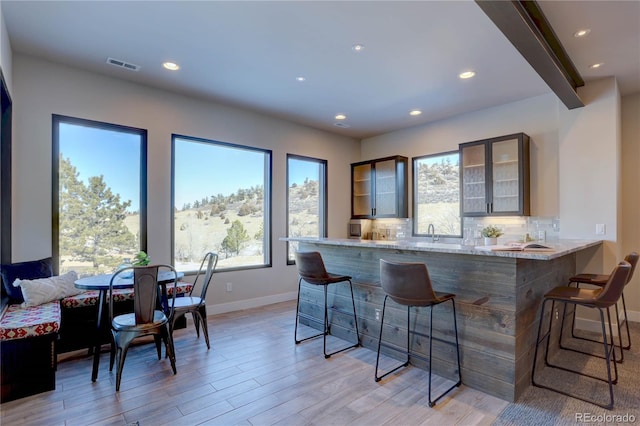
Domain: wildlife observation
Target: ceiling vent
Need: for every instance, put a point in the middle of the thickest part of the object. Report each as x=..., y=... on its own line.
x=343, y=125
x=123, y=64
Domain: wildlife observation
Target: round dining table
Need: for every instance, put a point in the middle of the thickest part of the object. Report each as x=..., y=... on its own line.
x=101, y=284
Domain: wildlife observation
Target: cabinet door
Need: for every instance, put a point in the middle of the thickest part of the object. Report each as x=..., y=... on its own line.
x=361, y=190
x=386, y=200
x=474, y=194
x=505, y=174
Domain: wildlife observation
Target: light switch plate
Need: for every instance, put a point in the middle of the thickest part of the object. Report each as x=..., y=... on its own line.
x=600, y=230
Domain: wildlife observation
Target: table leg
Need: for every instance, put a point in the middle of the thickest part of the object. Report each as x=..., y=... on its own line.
x=98, y=337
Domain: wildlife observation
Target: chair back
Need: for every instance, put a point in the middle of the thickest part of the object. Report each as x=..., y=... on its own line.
x=205, y=273
x=613, y=288
x=311, y=267
x=632, y=258
x=148, y=294
x=407, y=283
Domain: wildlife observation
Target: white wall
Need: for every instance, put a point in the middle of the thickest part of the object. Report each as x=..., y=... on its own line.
x=590, y=169
x=43, y=88
x=537, y=117
x=5, y=52
x=631, y=194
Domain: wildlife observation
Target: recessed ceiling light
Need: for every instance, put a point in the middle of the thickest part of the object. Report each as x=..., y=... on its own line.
x=581, y=33
x=300, y=78
x=466, y=74
x=172, y=66
x=598, y=65
x=357, y=47
x=415, y=112
x=340, y=117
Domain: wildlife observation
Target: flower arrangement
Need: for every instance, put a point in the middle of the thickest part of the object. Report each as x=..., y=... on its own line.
x=491, y=232
x=141, y=259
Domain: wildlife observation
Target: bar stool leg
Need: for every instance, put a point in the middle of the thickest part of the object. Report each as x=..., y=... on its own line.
x=626, y=322
x=378, y=378
x=295, y=333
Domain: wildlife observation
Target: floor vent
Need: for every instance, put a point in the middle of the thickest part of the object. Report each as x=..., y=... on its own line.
x=123, y=64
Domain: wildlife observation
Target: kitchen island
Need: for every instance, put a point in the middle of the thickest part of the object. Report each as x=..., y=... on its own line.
x=498, y=296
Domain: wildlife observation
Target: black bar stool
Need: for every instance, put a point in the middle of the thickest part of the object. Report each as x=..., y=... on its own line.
x=600, y=299
x=600, y=281
x=409, y=284
x=312, y=270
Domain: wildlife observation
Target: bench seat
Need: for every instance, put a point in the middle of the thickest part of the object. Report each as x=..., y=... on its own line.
x=90, y=297
x=28, y=355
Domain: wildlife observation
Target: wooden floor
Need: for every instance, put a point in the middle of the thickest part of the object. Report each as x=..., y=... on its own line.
x=254, y=374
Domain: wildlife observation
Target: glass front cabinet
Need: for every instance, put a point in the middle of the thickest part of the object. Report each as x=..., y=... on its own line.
x=495, y=176
x=379, y=188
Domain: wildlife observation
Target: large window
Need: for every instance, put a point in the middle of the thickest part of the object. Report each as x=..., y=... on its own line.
x=436, y=194
x=306, y=200
x=221, y=202
x=99, y=194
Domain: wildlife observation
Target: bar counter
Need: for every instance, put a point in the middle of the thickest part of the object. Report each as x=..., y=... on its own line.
x=498, y=295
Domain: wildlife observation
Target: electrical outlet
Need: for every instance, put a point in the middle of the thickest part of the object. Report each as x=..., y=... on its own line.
x=377, y=314
x=556, y=313
x=600, y=229
x=229, y=287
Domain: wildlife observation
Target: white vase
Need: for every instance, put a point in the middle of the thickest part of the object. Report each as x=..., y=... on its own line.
x=490, y=241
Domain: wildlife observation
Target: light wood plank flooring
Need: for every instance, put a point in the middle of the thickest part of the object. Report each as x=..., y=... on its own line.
x=254, y=374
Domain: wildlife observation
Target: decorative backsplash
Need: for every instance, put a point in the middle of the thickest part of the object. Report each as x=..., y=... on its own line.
x=514, y=228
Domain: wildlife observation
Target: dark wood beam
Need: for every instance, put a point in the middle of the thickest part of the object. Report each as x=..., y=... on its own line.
x=526, y=27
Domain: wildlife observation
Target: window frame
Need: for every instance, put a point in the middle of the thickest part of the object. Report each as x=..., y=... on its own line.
x=55, y=187
x=268, y=176
x=324, y=198
x=414, y=202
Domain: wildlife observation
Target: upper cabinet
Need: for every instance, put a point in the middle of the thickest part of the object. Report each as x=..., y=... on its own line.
x=379, y=188
x=495, y=176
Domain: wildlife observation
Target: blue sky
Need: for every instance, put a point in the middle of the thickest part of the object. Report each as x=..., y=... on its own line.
x=203, y=169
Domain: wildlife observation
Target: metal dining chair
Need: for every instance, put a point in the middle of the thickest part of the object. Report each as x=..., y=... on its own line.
x=409, y=284
x=150, y=316
x=197, y=305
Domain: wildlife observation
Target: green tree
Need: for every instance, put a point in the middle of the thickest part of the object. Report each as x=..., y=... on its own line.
x=91, y=219
x=235, y=239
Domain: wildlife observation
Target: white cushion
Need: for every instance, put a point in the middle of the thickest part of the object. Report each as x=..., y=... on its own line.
x=43, y=290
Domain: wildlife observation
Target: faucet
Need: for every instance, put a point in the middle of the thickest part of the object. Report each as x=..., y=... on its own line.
x=431, y=230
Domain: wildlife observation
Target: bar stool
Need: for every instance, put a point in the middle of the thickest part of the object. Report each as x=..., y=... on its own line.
x=601, y=281
x=409, y=284
x=600, y=299
x=312, y=270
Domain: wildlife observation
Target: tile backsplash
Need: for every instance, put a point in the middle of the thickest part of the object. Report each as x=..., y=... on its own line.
x=514, y=228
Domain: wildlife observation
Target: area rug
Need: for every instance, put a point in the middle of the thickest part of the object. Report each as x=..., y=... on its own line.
x=539, y=406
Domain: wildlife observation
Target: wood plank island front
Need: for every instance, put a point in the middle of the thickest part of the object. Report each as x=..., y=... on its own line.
x=498, y=297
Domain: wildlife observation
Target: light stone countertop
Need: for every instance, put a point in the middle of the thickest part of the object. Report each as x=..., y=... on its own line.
x=561, y=247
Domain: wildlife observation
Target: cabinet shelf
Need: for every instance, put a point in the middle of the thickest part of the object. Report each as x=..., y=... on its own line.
x=379, y=188
x=501, y=166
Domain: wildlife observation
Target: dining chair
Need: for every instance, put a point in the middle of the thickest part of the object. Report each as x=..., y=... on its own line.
x=151, y=312
x=408, y=284
x=197, y=306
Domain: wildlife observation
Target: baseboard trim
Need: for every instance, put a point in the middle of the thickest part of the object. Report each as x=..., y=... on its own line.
x=239, y=305
x=594, y=326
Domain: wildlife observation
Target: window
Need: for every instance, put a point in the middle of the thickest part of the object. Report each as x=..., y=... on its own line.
x=221, y=196
x=436, y=194
x=306, y=200
x=99, y=195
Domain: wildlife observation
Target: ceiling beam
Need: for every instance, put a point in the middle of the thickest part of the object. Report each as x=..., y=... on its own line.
x=526, y=27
